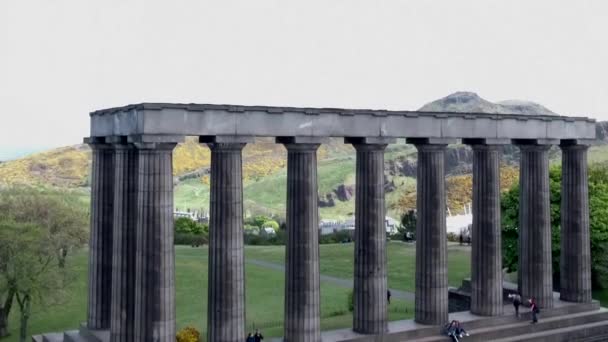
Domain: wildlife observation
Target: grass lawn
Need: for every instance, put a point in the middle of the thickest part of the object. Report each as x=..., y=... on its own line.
x=338, y=259
x=264, y=296
x=264, y=292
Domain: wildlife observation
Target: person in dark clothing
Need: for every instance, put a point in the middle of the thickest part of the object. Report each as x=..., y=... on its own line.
x=535, y=310
x=461, y=239
x=516, y=302
x=250, y=338
x=258, y=336
x=388, y=296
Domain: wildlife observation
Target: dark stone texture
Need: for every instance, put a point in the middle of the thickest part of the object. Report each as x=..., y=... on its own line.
x=535, y=267
x=302, y=297
x=431, y=306
x=122, y=324
x=155, y=253
x=486, y=256
x=226, y=291
x=370, y=314
x=575, y=273
x=100, y=242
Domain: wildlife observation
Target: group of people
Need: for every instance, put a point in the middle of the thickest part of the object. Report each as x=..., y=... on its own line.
x=456, y=331
x=516, y=298
x=257, y=337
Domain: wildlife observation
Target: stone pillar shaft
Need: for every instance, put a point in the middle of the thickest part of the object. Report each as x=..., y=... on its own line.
x=226, y=291
x=575, y=273
x=370, y=314
x=124, y=246
x=486, y=257
x=302, y=309
x=431, y=306
x=155, y=264
x=535, y=267
x=100, y=243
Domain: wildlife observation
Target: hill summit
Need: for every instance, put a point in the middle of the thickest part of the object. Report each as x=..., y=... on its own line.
x=469, y=102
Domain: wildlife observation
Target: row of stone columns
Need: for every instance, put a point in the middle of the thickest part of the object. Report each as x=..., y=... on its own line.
x=131, y=257
x=132, y=237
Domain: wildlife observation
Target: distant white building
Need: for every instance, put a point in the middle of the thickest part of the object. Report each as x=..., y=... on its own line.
x=332, y=226
x=457, y=224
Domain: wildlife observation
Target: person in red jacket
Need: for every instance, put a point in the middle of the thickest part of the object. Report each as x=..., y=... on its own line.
x=534, y=309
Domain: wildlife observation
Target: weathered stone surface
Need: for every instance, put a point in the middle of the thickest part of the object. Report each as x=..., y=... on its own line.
x=155, y=253
x=211, y=120
x=302, y=297
x=100, y=242
x=486, y=256
x=535, y=268
x=575, y=273
x=370, y=314
x=431, y=305
x=122, y=323
x=226, y=291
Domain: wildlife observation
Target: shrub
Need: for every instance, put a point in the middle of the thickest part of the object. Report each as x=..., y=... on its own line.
x=190, y=239
x=188, y=334
x=350, y=300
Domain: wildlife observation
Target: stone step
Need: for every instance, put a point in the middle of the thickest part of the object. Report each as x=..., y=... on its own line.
x=73, y=336
x=471, y=322
x=36, y=338
x=492, y=333
x=52, y=337
x=583, y=332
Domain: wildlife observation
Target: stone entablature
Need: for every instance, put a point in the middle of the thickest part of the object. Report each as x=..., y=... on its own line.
x=262, y=121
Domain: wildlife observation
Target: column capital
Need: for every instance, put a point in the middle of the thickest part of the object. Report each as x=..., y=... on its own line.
x=97, y=143
x=226, y=147
x=369, y=140
x=486, y=141
x=431, y=141
x=573, y=147
x=487, y=148
x=298, y=140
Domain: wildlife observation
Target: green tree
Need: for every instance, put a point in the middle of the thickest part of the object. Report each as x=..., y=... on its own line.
x=408, y=223
x=271, y=224
x=598, y=222
x=37, y=229
x=185, y=225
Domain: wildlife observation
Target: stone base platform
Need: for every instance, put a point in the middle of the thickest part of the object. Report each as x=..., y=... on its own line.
x=565, y=322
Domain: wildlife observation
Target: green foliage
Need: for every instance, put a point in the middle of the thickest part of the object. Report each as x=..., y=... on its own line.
x=598, y=222
x=37, y=231
x=271, y=224
x=350, y=301
x=185, y=225
x=188, y=334
x=408, y=224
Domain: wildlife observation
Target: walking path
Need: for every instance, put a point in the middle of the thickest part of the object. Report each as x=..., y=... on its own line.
x=348, y=283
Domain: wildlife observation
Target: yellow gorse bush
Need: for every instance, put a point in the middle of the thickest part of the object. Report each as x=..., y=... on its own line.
x=188, y=334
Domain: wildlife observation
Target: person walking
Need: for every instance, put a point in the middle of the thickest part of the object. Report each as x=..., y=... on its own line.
x=388, y=296
x=516, y=302
x=535, y=310
x=258, y=336
x=250, y=338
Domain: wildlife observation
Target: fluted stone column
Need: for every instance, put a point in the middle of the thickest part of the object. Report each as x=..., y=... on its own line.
x=486, y=256
x=575, y=273
x=431, y=306
x=535, y=267
x=100, y=242
x=155, y=264
x=370, y=314
x=124, y=246
x=226, y=291
x=302, y=309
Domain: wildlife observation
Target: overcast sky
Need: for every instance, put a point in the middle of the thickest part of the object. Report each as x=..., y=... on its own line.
x=61, y=59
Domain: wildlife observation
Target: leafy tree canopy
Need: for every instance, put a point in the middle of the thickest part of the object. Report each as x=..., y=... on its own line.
x=598, y=221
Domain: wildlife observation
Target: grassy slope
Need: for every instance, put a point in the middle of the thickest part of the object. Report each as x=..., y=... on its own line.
x=264, y=290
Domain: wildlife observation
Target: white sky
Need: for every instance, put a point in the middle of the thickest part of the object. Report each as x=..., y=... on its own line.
x=60, y=59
